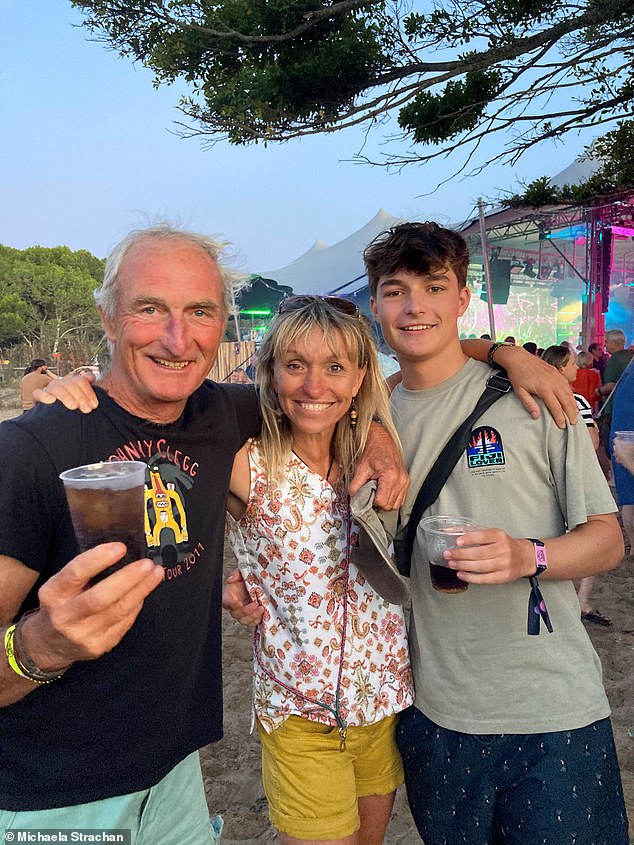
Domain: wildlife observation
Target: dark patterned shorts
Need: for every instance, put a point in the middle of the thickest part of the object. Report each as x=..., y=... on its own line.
x=561, y=788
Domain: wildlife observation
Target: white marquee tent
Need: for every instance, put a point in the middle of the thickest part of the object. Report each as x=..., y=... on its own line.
x=560, y=268
x=325, y=269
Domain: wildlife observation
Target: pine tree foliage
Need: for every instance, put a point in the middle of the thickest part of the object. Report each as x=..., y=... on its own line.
x=450, y=72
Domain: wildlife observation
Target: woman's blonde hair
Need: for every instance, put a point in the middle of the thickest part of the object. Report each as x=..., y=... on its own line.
x=372, y=400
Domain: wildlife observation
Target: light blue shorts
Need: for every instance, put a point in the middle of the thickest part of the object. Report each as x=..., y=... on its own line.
x=174, y=810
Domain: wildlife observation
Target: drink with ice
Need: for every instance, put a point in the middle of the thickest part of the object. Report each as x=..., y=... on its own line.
x=441, y=533
x=106, y=502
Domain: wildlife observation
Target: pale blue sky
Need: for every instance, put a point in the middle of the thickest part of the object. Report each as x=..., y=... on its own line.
x=87, y=154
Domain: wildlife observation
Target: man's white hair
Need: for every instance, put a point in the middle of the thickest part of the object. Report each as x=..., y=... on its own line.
x=615, y=336
x=107, y=296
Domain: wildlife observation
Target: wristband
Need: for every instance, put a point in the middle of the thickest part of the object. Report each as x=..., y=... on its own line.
x=21, y=664
x=493, y=349
x=537, y=610
x=541, y=560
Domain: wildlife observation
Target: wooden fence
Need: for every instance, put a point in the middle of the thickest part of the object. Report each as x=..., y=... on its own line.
x=232, y=361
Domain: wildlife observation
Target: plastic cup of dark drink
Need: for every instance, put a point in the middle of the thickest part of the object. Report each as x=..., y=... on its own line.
x=441, y=533
x=106, y=502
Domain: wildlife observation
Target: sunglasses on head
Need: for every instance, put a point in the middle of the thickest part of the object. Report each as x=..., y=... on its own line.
x=294, y=303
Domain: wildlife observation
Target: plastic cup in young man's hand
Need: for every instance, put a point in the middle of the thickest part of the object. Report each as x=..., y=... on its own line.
x=106, y=502
x=442, y=533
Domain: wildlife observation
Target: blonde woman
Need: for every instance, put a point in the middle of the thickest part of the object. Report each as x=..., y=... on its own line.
x=331, y=668
x=587, y=380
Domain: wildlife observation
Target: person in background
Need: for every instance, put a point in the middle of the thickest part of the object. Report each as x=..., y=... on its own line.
x=620, y=357
x=562, y=358
x=239, y=376
x=531, y=347
x=599, y=356
x=510, y=340
x=587, y=379
x=623, y=454
x=251, y=368
x=36, y=375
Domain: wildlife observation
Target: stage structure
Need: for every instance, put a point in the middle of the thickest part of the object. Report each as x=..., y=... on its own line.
x=559, y=273
x=556, y=273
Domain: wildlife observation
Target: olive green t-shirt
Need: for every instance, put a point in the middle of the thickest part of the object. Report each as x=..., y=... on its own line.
x=476, y=669
x=614, y=369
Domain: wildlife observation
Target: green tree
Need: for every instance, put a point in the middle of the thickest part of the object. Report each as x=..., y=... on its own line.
x=12, y=312
x=451, y=72
x=613, y=177
x=53, y=286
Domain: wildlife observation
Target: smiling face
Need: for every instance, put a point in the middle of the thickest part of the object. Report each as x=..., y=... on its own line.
x=315, y=381
x=167, y=329
x=418, y=315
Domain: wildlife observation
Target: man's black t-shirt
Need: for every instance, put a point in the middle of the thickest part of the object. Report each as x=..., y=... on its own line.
x=120, y=723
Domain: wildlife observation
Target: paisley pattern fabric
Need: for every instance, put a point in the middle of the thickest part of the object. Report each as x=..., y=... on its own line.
x=291, y=549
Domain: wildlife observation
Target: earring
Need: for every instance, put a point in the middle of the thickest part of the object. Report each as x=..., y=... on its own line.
x=353, y=414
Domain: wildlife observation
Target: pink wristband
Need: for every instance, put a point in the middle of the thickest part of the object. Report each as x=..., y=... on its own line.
x=541, y=559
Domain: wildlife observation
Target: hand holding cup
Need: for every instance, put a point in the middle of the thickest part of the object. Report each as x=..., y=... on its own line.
x=441, y=534
x=623, y=449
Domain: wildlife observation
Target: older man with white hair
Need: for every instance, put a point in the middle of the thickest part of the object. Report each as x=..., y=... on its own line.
x=620, y=357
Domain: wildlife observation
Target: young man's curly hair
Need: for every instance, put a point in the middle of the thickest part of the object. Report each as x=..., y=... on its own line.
x=422, y=248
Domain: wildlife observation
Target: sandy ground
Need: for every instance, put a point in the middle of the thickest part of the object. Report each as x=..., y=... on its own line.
x=231, y=768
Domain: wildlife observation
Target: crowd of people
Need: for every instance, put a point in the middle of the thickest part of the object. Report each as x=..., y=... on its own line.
x=593, y=376
x=490, y=706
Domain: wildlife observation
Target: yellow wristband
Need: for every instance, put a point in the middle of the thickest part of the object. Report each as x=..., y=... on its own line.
x=10, y=652
x=35, y=675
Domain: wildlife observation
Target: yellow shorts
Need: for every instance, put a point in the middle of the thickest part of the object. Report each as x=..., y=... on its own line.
x=312, y=787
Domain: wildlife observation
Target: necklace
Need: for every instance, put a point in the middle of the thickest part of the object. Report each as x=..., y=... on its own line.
x=330, y=465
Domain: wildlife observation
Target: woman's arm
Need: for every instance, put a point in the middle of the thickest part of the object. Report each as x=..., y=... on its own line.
x=529, y=375
x=240, y=484
x=74, y=391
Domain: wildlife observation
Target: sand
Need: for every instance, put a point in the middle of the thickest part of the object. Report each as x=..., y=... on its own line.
x=231, y=768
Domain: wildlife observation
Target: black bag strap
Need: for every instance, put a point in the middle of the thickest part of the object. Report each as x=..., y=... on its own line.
x=497, y=385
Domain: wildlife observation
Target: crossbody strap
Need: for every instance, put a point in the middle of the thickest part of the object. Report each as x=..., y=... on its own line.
x=497, y=385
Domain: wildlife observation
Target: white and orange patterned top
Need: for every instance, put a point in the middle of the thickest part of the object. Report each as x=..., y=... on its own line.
x=291, y=550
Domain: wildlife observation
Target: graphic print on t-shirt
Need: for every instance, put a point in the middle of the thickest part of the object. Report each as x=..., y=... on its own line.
x=485, y=449
x=170, y=475
x=165, y=517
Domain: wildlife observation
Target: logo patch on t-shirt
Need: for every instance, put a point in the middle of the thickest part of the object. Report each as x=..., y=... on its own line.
x=485, y=448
